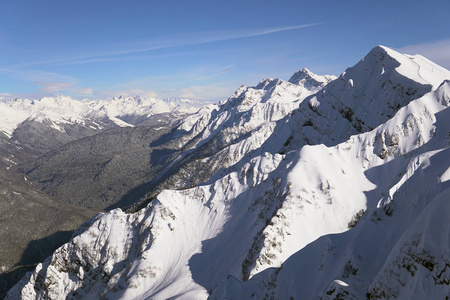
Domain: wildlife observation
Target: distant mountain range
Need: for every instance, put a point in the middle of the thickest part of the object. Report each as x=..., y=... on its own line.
x=61, y=110
x=316, y=187
x=42, y=125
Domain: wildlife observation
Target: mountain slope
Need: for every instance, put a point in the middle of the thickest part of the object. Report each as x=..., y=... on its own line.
x=35, y=127
x=228, y=134
x=32, y=227
x=30, y=129
x=280, y=191
x=365, y=95
x=100, y=170
x=399, y=248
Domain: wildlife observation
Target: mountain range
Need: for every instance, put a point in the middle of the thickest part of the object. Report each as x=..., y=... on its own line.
x=35, y=220
x=317, y=187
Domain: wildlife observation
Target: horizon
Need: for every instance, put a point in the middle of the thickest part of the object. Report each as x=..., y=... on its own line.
x=199, y=50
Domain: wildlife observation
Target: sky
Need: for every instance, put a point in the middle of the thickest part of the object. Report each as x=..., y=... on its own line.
x=200, y=49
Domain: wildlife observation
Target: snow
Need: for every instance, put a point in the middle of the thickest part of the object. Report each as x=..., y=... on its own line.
x=393, y=240
x=66, y=110
x=310, y=80
x=445, y=176
x=313, y=189
x=251, y=107
x=418, y=68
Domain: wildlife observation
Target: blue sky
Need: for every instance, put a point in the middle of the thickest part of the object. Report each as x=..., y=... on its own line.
x=200, y=49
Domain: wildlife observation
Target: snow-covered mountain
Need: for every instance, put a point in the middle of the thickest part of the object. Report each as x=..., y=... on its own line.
x=66, y=110
x=31, y=128
x=125, y=166
x=223, y=137
x=305, y=189
x=32, y=131
x=398, y=247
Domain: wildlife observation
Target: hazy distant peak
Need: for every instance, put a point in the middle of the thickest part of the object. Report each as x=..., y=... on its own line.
x=67, y=110
x=310, y=80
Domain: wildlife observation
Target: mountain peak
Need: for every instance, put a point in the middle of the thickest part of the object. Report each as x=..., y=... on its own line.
x=310, y=80
x=414, y=67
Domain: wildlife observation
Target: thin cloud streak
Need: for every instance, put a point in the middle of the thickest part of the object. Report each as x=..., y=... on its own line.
x=36, y=75
x=107, y=94
x=53, y=87
x=85, y=91
x=215, y=74
x=190, y=40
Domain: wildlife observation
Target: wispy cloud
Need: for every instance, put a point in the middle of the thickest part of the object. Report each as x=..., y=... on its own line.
x=200, y=92
x=48, y=83
x=105, y=94
x=165, y=90
x=53, y=87
x=85, y=91
x=161, y=86
x=31, y=96
x=437, y=51
x=127, y=51
x=34, y=75
x=6, y=96
x=215, y=73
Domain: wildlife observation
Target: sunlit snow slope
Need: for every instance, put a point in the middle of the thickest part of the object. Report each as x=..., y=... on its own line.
x=339, y=193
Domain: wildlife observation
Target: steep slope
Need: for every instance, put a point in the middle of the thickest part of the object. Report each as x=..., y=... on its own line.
x=399, y=249
x=216, y=140
x=363, y=97
x=275, y=190
x=30, y=129
x=32, y=227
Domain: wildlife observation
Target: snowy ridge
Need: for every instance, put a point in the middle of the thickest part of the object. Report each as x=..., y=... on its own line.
x=310, y=80
x=418, y=68
x=249, y=107
x=367, y=152
x=365, y=95
x=399, y=248
x=245, y=123
x=224, y=135
x=269, y=101
x=66, y=110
